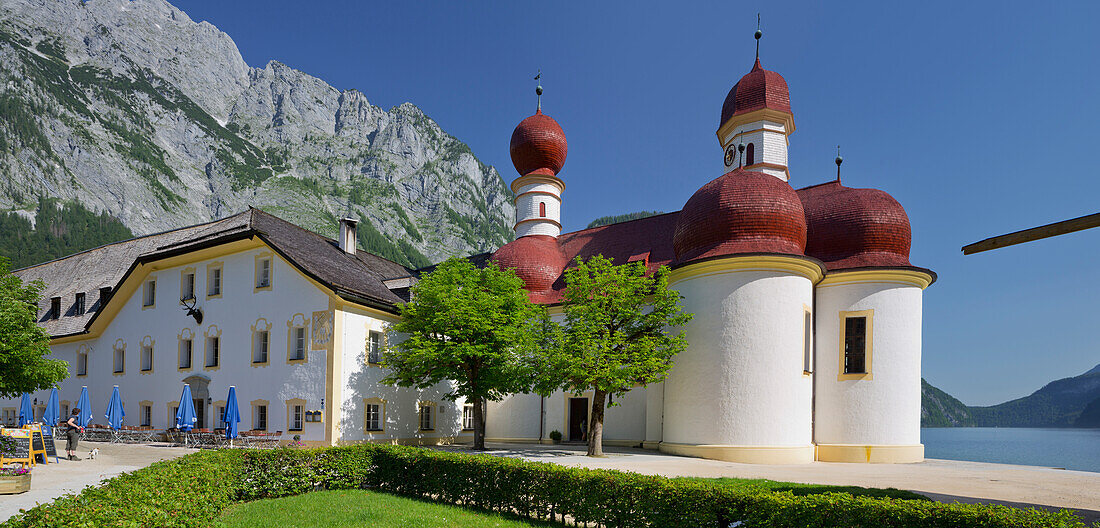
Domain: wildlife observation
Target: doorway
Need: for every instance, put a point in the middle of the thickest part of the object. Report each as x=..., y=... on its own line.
x=578, y=419
x=200, y=413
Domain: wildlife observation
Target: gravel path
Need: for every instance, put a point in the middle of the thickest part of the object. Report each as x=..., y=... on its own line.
x=50, y=481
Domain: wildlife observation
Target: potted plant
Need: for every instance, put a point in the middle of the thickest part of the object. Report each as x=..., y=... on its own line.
x=12, y=480
x=555, y=436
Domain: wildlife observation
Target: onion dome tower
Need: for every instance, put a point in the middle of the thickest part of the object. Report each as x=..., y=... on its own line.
x=757, y=116
x=741, y=211
x=538, y=150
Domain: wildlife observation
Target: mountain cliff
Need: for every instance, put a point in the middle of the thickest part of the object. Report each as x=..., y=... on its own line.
x=133, y=109
x=940, y=409
x=1068, y=402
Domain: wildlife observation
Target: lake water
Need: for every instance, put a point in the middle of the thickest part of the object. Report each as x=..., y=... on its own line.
x=1064, y=448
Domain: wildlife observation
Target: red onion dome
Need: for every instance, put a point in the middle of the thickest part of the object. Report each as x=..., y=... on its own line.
x=538, y=144
x=758, y=89
x=537, y=260
x=855, y=228
x=740, y=212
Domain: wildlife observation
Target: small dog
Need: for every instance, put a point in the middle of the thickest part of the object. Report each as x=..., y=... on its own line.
x=93, y=453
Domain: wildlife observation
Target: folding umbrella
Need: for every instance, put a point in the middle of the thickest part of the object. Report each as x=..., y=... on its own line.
x=232, y=414
x=185, y=415
x=85, y=406
x=26, y=414
x=115, y=412
x=52, y=415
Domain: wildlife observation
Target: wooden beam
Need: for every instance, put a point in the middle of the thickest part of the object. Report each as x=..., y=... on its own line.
x=1035, y=233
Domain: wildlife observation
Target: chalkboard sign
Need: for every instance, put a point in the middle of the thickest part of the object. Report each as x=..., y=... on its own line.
x=22, y=452
x=51, y=449
x=38, y=446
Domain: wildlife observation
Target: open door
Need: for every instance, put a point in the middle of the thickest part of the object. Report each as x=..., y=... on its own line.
x=578, y=419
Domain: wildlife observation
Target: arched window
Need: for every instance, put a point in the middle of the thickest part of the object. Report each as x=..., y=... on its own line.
x=542, y=209
x=750, y=154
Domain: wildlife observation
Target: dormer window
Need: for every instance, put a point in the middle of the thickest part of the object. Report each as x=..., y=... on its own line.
x=55, y=307
x=78, y=306
x=104, y=294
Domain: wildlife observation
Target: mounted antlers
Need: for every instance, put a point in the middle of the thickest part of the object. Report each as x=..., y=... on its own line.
x=192, y=310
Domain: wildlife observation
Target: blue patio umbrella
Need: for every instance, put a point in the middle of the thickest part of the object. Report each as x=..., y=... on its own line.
x=85, y=406
x=115, y=412
x=52, y=415
x=26, y=414
x=185, y=415
x=232, y=414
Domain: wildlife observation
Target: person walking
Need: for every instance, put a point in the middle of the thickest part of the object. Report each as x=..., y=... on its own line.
x=73, y=434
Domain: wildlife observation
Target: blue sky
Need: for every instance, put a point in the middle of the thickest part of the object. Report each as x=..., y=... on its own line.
x=980, y=118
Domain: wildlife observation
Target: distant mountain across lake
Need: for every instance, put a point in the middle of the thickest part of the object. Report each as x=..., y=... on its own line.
x=1068, y=402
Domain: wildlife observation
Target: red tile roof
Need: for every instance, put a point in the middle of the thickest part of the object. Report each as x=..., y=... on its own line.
x=538, y=144
x=741, y=212
x=855, y=228
x=758, y=89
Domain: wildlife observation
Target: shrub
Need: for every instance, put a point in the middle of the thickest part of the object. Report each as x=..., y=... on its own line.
x=555, y=436
x=192, y=491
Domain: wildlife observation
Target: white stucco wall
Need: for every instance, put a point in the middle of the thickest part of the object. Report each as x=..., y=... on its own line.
x=361, y=381
x=528, y=198
x=883, y=410
x=741, y=381
x=233, y=314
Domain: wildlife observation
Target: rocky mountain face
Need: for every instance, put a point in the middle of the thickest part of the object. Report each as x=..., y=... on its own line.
x=131, y=108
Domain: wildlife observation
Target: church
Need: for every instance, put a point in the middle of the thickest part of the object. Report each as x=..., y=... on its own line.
x=806, y=341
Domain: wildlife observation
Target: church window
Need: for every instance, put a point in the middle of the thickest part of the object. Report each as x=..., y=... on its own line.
x=855, y=342
x=374, y=414
x=542, y=209
x=468, y=417
x=81, y=363
x=807, y=342
x=147, y=357
x=750, y=154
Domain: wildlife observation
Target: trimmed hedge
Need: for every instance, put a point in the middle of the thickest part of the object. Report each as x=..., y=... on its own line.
x=192, y=490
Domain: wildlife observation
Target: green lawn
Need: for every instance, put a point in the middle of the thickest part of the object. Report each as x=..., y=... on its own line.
x=807, y=489
x=358, y=508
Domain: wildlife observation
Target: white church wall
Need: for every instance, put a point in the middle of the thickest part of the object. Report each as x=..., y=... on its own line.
x=884, y=408
x=741, y=383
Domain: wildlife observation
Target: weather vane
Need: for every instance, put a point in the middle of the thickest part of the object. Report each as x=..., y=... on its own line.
x=758, y=35
x=839, y=160
x=538, y=90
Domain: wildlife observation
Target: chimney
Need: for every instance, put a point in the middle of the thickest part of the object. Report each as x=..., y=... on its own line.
x=347, y=235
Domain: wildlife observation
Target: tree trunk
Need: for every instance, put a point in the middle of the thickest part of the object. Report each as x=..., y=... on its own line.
x=595, y=429
x=479, y=424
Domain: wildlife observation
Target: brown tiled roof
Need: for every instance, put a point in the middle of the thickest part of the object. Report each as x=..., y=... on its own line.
x=758, y=89
x=358, y=278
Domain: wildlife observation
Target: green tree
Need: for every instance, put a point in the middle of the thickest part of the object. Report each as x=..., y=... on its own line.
x=473, y=327
x=621, y=330
x=24, y=345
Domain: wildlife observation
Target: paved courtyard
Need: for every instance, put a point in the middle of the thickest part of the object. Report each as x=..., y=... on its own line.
x=942, y=480
x=53, y=480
